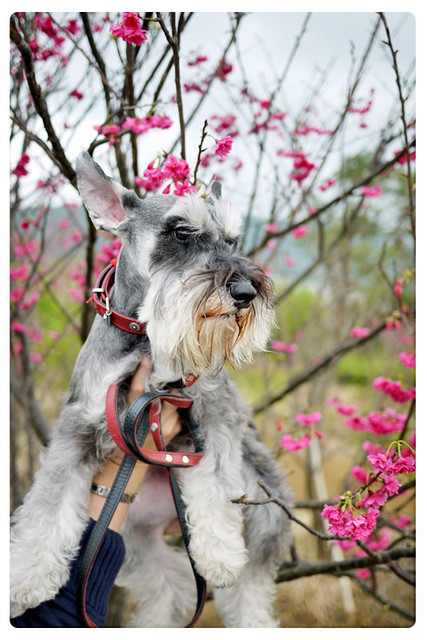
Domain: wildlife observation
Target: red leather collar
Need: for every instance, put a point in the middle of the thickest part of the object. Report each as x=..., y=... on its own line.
x=101, y=301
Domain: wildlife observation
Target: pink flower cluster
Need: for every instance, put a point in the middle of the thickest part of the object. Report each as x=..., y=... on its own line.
x=46, y=25
x=290, y=442
x=359, y=332
x=394, y=390
x=408, y=359
x=224, y=68
x=285, y=347
x=345, y=522
x=21, y=168
x=142, y=125
x=173, y=169
x=223, y=146
x=300, y=232
x=398, y=287
x=372, y=192
x=403, y=158
x=136, y=125
x=388, y=464
x=308, y=418
x=379, y=423
x=130, y=29
x=225, y=123
x=302, y=168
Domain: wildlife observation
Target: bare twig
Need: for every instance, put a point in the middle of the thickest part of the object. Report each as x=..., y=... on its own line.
x=173, y=41
x=200, y=151
x=405, y=126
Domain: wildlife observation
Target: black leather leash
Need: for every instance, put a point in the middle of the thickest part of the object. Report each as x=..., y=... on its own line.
x=140, y=417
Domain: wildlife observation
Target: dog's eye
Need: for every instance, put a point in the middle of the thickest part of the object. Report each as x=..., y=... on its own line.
x=181, y=234
x=232, y=244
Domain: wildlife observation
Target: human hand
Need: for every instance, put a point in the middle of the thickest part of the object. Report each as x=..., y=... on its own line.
x=171, y=420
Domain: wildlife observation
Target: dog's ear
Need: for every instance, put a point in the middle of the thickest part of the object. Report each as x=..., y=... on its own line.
x=108, y=202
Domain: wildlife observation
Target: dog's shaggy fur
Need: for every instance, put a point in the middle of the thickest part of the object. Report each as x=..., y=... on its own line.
x=178, y=272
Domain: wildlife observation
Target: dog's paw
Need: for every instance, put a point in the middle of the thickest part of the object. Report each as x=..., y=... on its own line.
x=34, y=578
x=221, y=575
x=22, y=599
x=220, y=564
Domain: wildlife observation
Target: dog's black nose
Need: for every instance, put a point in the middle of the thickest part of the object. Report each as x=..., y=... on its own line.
x=242, y=293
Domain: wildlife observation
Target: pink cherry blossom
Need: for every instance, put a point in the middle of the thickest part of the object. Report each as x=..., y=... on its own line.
x=300, y=232
x=18, y=327
x=408, y=359
x=357, y=423
x=359, y=332
x=129, y=29
x=277, y=345
x=185, y=187
x=270, y=228
x=386, y=422
x=176, y=169
x=224, y=122
x=302, y=167
x=308, y=418
x=295, y=444
x=394, y=390
x=20, y=169
x=343, y=523
x=142, y=125
x=224, y=68
x=223, y=146
x=400, y=520
x=372, y=192
x=289, y=262
x=154, y=178
x=359, y=474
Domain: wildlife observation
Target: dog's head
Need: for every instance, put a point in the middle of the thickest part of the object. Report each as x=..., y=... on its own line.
x=201, y=301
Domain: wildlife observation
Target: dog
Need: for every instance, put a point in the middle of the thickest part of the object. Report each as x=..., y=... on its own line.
x=178, y=272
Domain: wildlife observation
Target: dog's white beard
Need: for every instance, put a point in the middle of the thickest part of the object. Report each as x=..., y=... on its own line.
x=193, y=337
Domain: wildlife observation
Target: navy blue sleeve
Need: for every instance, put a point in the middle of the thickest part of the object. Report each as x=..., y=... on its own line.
x=63, y=610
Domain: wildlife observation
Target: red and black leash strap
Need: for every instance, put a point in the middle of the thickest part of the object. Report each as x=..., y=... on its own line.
x=143, y=415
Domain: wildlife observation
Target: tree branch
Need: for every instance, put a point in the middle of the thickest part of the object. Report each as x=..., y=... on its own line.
x=40, y=102
x=328, y=359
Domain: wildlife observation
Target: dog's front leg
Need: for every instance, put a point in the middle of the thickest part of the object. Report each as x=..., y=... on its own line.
x=215, y=522
x=47, y=528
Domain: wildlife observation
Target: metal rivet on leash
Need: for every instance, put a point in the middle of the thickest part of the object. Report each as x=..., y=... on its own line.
x=168, y=457
x=154, y=426
x=134, y=326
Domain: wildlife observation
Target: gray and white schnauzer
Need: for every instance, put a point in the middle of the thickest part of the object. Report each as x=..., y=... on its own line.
x=178, y=272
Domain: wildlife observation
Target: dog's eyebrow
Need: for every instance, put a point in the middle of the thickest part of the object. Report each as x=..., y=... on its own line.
x=177, y=221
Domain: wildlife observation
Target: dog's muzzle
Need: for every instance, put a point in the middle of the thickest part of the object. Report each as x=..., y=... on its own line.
x=242, y=293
